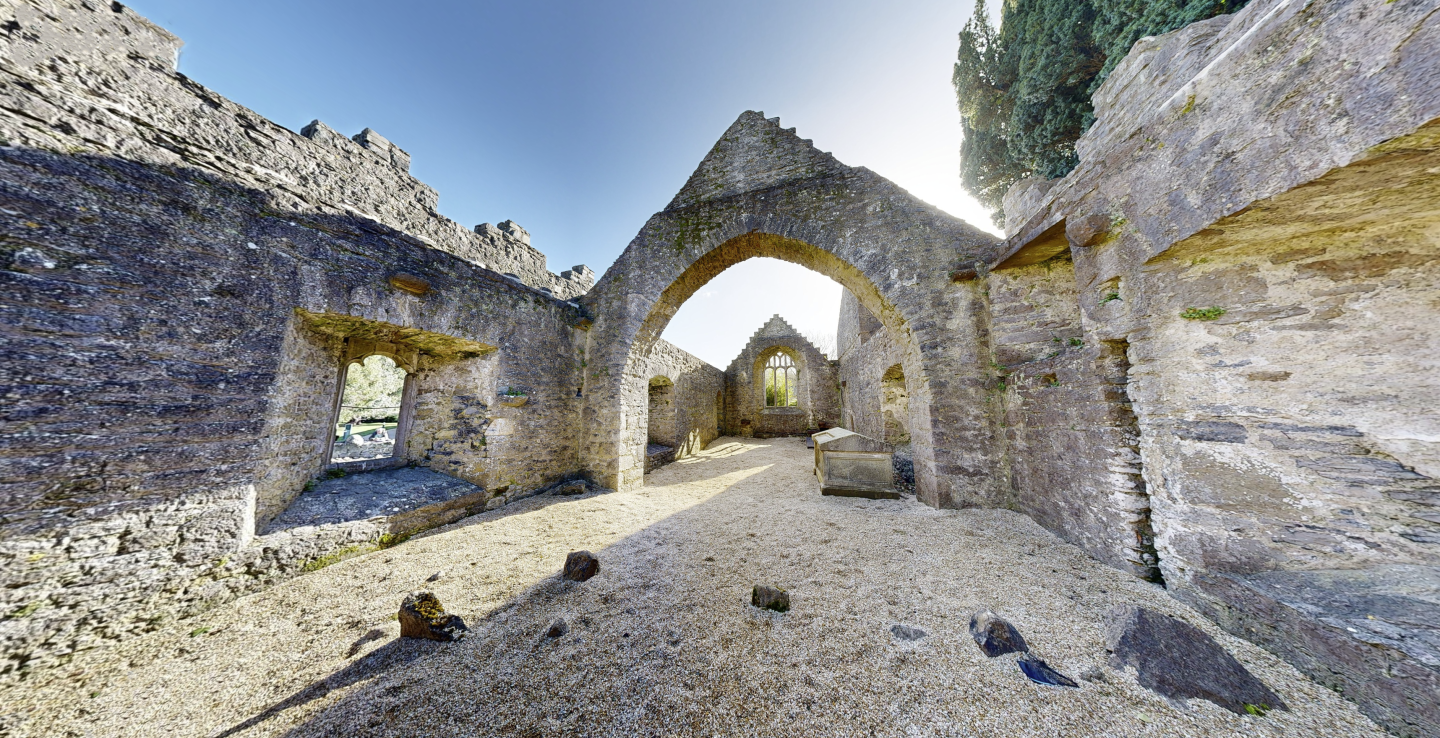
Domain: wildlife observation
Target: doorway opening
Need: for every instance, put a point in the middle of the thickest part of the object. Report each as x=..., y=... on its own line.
x=660, y=433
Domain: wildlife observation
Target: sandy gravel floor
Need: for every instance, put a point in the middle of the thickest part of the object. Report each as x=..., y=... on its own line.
x=663, y=642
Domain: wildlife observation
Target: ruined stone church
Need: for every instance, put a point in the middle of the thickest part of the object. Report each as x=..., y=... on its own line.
x=1209, y=357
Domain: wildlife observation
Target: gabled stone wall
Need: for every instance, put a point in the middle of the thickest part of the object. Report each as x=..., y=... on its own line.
x=819, y=399
x=764, y=191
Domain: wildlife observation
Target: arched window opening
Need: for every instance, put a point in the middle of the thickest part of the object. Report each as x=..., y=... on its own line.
x=368, y=421
x=781, y=382
x=895, y=406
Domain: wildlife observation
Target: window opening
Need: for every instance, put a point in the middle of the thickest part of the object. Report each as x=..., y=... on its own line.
x=895, y=406
x=368, y=422
x=781, y=382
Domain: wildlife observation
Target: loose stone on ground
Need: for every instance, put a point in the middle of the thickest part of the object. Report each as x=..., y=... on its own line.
x=422, y=616
x=994, y=635
x=770, y=598
x=666, y=643
x=1179, y=661
x=581, y=565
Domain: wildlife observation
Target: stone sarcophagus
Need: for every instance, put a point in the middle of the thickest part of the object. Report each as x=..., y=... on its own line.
x=851, y=465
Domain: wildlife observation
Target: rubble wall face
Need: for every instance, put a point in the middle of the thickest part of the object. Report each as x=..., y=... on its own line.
x=1254, y=221
x=1071, y=438
x=162, y=393
x=694, y=414
x=165, y=382
x=292, y=444
x=866, y=353
x=1293, y=431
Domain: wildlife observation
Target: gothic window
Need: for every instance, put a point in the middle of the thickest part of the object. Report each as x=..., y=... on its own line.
x=781, y=382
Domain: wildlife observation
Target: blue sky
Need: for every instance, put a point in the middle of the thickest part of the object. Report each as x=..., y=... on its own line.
x=580, y=120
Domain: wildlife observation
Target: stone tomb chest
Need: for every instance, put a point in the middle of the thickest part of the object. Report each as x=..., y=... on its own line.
x=851, y=465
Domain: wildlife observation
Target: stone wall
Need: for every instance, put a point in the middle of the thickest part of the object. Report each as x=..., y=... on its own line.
x=764, y=191
x=1256, y=292
x=866, y=354
x=1071, y=439
x=691, y=404
x=180, y=275
x=97, y=78
x=818, y=404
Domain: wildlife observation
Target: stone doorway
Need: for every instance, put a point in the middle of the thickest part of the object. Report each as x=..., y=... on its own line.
x=660, y=440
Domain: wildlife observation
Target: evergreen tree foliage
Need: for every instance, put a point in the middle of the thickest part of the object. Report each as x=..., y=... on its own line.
x=1024, y=90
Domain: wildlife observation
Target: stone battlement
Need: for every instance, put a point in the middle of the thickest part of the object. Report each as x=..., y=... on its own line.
x=111, y=75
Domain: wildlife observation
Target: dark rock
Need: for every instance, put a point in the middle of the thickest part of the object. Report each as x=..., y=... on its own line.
x=573, y=487
x=906, y=633
x=422, y=616
x=770, y=598
x=1177, y=660
x=557, y=629
x=1041, y=673
x=995, y=635
x=902, y=466
x=581, y=565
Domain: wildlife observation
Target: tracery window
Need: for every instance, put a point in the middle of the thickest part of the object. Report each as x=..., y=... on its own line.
x=781, y=382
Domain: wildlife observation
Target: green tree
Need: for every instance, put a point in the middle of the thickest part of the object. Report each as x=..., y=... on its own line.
x=1024, y=90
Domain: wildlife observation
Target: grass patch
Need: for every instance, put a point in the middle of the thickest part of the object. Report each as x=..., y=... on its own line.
x=337, y=557
x=394, y=539
x=1110, y=297
x=1210, y=313
x=26, y=611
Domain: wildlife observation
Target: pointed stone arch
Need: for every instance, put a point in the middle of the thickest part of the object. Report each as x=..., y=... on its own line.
x=763, y=191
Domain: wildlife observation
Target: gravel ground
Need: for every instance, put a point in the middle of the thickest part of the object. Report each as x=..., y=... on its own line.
x=663, y=641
